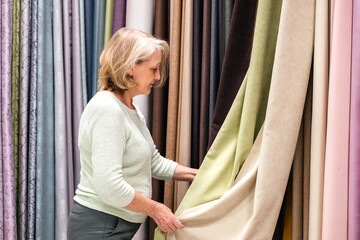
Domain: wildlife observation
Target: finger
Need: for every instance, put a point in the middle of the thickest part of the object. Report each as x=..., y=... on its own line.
x=178, y=224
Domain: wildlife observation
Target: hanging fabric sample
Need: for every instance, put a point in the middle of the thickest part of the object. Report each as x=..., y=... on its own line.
x=236, y=61
x=354, y=150
x=319, y=118
x=7, y=185
x=45, y=161
x=335, y=219
x=271, y=156
x=119, y=15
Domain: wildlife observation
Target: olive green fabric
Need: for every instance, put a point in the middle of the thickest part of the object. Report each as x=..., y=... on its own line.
x=108, y=20
x=15, y=84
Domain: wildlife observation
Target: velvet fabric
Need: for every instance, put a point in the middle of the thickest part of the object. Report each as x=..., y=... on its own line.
x=236, y=61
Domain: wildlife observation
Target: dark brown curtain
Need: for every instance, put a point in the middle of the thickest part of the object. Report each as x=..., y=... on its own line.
x=236, y=60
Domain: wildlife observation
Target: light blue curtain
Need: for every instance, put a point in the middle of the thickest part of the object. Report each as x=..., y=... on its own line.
x=45, y=154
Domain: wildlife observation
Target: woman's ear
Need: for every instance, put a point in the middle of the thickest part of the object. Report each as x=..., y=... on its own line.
x=130, y=72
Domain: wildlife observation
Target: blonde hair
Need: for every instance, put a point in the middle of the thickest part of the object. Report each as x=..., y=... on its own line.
x=126, y=48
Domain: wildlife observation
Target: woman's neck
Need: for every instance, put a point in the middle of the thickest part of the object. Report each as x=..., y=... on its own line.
x=125, y=98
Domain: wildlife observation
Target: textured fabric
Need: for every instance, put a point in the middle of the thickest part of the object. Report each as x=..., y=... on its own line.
x=76, y=90
x=31, y=166
x=89, y=44
x=184, y=127
x=69, y=110
x=172, y=117
x=108, y=21
x=98, y=44
x=246, y=120
x=119, y=15
x=279, y=136
x=61, y=162
x=215, y=57
x=318, y=121
x=237, y=137
x=86, y=223
x=7, y=197
x=25, y=41
x=196, y=78
x=335, y=219
x=229, y=6
x=118, y=152
x=204, y=82
x=354, y=150
x=236, y=61
x=83, y=51
x=15, y=86
x=45, y=161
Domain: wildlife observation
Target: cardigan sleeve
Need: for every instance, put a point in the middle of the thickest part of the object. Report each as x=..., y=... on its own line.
x=162, y=168
x=107, y=136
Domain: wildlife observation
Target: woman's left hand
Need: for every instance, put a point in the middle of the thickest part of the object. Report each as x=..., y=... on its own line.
x=183, y=173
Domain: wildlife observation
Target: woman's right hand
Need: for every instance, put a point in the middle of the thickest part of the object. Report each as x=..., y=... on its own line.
x=165, y=219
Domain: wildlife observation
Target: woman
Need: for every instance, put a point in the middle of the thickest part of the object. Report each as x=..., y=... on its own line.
x=118, y=155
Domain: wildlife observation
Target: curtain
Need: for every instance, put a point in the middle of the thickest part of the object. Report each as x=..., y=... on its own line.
x=335, y=219
x=263, y=100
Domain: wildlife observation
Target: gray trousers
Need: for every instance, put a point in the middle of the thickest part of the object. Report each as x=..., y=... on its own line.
x=87, y=224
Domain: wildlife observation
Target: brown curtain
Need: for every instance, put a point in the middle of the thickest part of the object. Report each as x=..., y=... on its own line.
x=173, y=99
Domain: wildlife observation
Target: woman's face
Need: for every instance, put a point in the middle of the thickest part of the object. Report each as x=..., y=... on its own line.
x=146, y=73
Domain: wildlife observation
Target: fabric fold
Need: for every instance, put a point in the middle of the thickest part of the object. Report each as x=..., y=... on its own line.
x=336, y=172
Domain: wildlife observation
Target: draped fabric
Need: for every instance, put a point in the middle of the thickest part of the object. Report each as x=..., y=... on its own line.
x=45, y=177
x=89, y=45
x=119, y=15
x=76, y=92
x=319, y=119
x=15, y=86
x=172, y=117
x=61, y=181
x=7, y=194
x=246, y=116
x=236, y=61
x=204, y=81
x=98, y=44
x=196, y=78
x=83, y=51
x=335, y=219
x=354, y=143
x=265, y=166
x=108, y=20
x=184, y=124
